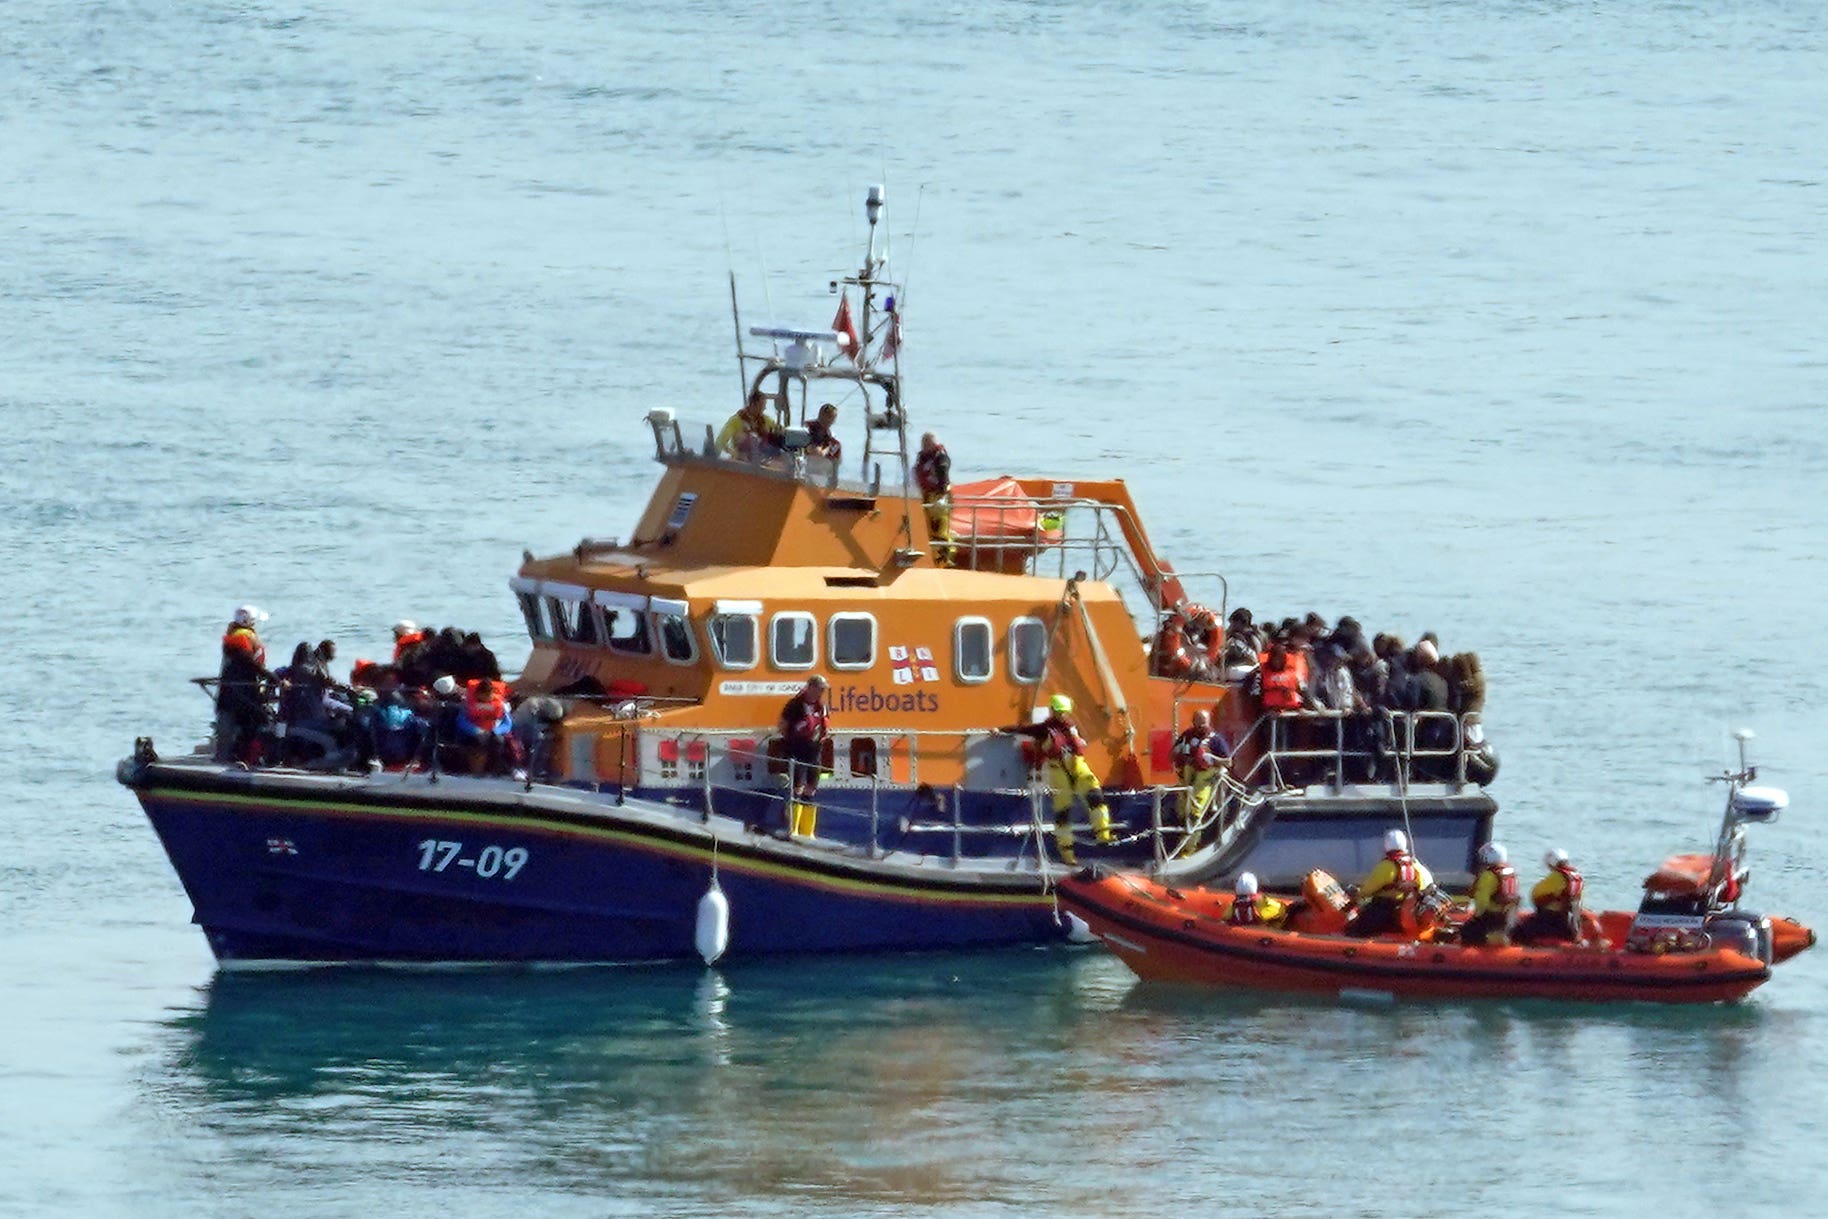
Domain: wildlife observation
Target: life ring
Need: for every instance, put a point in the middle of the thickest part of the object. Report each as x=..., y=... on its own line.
x=1203, y=623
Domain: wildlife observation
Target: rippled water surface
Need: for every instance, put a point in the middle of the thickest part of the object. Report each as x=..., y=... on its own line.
x=1500, y=319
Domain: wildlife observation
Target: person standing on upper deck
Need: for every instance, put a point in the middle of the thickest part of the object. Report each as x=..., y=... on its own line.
x=933, y=475
x=819, y=439
x=805, y=724
x=752, y=434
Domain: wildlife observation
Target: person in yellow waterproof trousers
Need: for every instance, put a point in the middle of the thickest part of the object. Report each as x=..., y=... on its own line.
x=805, y=723
x=1199, y=759
x=1068, y=776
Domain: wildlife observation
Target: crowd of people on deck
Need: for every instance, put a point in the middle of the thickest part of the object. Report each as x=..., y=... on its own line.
x=1307, y=665
x=437, y=703
x=1393, y=898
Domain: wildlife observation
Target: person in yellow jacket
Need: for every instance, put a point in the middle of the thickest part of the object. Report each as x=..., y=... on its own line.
x=1250, y=908
x=1069, y=778
x=1393, y=882
x=1557, y=898
x=1495, y=900
x=752, y=434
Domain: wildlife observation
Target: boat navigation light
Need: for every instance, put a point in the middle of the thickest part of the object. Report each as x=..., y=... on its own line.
x=873, y=205
x=1744, y=734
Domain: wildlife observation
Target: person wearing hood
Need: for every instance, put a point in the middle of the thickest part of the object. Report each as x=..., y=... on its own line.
x=241, y=704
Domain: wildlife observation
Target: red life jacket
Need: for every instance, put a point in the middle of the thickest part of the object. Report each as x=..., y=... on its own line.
x=1192, y=752
x=1244, y=912
x=813, y=722
x=484, y=702
x=1282, y=688
x=243, y=639
x=926, y=472
x=1569, y=897
x=1404, y=884
x=408, y=640
x=1504, y=893
x=1062, y=740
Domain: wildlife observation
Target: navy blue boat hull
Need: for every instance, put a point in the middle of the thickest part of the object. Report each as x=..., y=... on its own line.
x=311, y=879
x=314, y=868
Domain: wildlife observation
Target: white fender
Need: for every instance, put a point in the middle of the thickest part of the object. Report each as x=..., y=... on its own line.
x=1078, y=931
x=712, y=934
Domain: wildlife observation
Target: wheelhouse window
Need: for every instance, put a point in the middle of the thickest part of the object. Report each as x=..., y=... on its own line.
x=853, y=641
x=793, y=641
x=733, y=637
x=1027, y=650
x=534, y=613
x=627, y=630
x=625, y=626
x=972, y=650
x=574, y=621
x=674, y=630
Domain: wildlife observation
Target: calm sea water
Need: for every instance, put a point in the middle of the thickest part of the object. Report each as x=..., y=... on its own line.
x=1500, y=319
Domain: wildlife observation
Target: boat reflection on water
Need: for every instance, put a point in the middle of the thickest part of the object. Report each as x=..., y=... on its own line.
x=651, y=1081
x=860, y=1086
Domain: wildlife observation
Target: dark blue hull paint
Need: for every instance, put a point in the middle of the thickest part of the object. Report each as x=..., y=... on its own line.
x=324, y=870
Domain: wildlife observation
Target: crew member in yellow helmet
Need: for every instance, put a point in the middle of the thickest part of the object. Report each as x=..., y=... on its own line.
x=1068, y=776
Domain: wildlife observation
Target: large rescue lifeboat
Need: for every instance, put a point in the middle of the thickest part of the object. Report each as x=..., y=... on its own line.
x=652, y=822
x=1689, y=941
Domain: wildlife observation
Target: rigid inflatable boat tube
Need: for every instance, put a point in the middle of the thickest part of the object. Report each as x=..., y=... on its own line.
x=712, y=934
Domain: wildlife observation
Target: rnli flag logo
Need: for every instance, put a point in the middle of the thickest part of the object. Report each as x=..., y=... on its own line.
x=281, y=846
x=910, y=665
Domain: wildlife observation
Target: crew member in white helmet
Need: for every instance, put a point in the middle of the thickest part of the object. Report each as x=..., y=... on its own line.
x=1393, y=883
x=1495, y=900
x=1250, y=908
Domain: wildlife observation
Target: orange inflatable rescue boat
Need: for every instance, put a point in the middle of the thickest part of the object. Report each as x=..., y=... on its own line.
x=1689, y=941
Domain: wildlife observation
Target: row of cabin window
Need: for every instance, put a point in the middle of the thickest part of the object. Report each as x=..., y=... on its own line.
x=851, y=645
x=793, y=638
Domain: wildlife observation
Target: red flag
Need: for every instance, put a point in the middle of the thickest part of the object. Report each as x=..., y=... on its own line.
x=847, y=329
x=892, y=344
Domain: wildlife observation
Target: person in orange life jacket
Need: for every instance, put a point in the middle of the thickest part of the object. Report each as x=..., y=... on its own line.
x=1393, y=882
x=1278, y=681
x=933, y=475
x=407, y=636
x=819, y=439
x=485, y=725
x=1557, y=898
x=241, y=705
x=1252, y=909
x=1199, y=758
x=1494, y=900
x=752, y=434
x=805, y=723
x=1068, y=776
